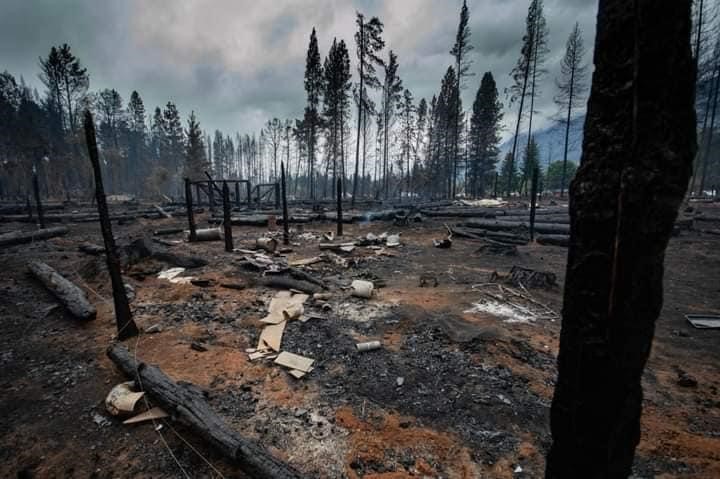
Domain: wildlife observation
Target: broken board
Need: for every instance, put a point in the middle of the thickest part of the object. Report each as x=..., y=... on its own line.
x=294, y=361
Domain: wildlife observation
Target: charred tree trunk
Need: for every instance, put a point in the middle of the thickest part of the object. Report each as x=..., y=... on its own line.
x=339, y=208
x=190, y=214
x=38, y=202
x=286, y=227
x=638, y=149
x=125, y=325
x=227, y=225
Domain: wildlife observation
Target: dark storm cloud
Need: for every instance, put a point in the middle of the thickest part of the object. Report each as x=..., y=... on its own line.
x=239, y=63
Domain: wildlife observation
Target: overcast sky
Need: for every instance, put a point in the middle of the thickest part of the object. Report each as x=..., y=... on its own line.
x=238, y=63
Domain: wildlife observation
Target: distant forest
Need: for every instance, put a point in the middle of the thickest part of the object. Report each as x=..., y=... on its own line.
x=361, y=124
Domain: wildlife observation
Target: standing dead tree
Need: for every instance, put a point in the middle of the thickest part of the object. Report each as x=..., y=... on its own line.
x=125, y=325
x=638, y=150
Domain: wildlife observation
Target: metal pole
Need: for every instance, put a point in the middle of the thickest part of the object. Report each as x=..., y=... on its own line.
x=227, y=222
x=286, y=227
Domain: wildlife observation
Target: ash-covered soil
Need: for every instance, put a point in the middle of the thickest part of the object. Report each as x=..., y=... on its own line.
x=451, y=393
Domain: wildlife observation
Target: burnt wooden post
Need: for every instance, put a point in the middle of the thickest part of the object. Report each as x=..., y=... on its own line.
x=38, y=203
x=125, y=325
x=339, y=208
x=190, y=212
x=533, y=201
x=248, y=188
x=495, y=185
x=197, y=194
x=227, y=221
x=237, y=194
x=29, y=207
x=638, y=149
x=211, y=195
x=286, y=227
x=277, y=195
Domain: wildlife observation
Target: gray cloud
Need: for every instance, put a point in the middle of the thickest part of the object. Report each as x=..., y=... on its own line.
x=239, y=63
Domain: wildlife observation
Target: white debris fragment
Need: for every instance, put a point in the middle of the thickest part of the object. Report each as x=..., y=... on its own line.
x=509, y=313
x=173, y=275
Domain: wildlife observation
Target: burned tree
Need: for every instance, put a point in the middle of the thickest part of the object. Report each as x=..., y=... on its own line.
x=125, y=325
x=638, y=149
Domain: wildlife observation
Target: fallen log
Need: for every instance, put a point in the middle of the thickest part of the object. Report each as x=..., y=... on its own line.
x=91, y=248
x=142, y=248
x=189, y=404
x=558, y=219
x=254, y=220
x=284, y=282
x=480, y=234
x=21, y=237
x=168, y=231
x=553, y=240
x=69, y=294
x=468, y=212
x=542, y=228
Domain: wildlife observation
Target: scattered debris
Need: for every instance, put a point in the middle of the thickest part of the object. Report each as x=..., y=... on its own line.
x=392, y=241
x=704, y=321
x=155, y=328
x=426, y=278
x=149, y=415
x=271, y=336
x=526, y=277
x=443, y=243
x=362, y=289
x=122, y=399
x=368, y=346
x=201, y=283
x=306, y=261
x=267, y=244
x=173, y=275
x=198, y=347
x=284, y=306
x=509, y=312
x=294, y=362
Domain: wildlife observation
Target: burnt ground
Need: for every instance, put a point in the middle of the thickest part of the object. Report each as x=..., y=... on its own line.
x=475, y=391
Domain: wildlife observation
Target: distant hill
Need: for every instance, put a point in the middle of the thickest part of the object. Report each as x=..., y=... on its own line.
x=550, y=140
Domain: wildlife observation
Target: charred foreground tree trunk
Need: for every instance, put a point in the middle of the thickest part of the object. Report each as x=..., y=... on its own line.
x=638, y=148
